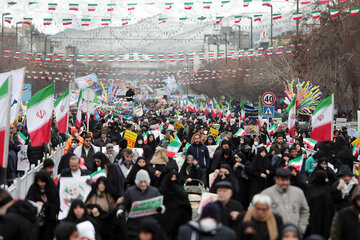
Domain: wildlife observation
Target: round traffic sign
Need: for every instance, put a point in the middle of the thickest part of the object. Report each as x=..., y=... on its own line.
x=268, y=99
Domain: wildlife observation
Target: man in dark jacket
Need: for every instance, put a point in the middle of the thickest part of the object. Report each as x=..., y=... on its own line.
x=278, y=144
x=17, y=218
x=218, y=155
x=103, y=140
x=140, y=192
x=230, y=209
x=208, y=227
x=200, y=152
x=87, y=151
x=74, y=170
x=346, y=224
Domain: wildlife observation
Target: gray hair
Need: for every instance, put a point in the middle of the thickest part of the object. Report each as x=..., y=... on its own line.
x=127, y=152
x=262, y=199
x=75, y=158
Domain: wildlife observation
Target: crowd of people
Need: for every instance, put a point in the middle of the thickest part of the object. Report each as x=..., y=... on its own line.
x=260, y=195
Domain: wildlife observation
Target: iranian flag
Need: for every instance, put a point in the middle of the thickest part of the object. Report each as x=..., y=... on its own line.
x=61, y=111
x=27, y=21
x=110, y=7
x=4, y=122
x=218, y=20
x=305, y=2
x=213, y=106
x=168, y=6
x=39, y=114
x=187, y=147
x=354, y=11
x=321, y=120
x=310, y=143
x=224, y=2
x=238, y=19
x=334, y=13
x=131, y=6
x=316, y=14
x=257, y=18
x=260, y=113
x=291, y=109
x=324, y=1
x=162, y=20
x=266, y=2
x=173, y=147
x=96, y=175
x=297, y=16
x=277, y=16
x=268, y=143
x=47, y=21
x=206, y=5
x=21, y=138
x=125, y=21
x=67, y=21
x=145, y=137
x=201, y=18
x=8, y=19
x=240, y=132
x=79, y=110
x=52, y=6
x=297, y=162
x=246, y=3
x=188, y=5
x=272, y=130
x=85, y=22
x=228, y=116
x=92, y=7
x=242, y=111
x=73, y=6
x=355, y=151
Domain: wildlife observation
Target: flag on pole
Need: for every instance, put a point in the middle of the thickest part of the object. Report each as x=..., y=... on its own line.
x=334, y=13
x=291, y=109
x=260, y=113
x=110, y=7
x=173, y=147
x=272, y=130
x=246, y=3
x=268, y=143
x=277, y=16
x=187, y=147
x=316, y=14
x=242, y=110
x=354, y=11
x=61, y=111
x=79, y=110
x=228, y=116
x=310, y=143
x=39, y=115
x=297, y=162
x=5, y=97
x=145, y=137
x=321, y=120
x=96, y=175
x=52, y=6
x=297, y=16
x=355, y=151
x=21, y=138
x=257, y=18
x=240, y=132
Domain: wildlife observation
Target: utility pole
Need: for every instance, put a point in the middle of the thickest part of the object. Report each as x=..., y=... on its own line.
x=225, y=47
x=271, y=28
x=16, y=32
x=297, y=22
x=251, y=43
x=2, y=24
x=239, y=43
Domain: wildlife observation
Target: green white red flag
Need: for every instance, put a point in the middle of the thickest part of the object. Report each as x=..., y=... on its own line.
x=291, y=109
x=310, y=143
x=260, y=113
x=354, y=11
x=240, y=132
x=39, y=115
x=21, y=138
x=95, y=175
x=355, y=151
x=334, y=13
x=272, y=130
x=61, y=111
x=79, y=110
x=5, y=97
x=322, y=119
x=297, y=162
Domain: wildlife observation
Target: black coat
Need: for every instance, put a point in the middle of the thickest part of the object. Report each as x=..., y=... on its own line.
x=340, y=202
x=20, y=222
x=257, y=183
x=225, y=210
x=321, y=209
x=36, y=153
x=195, y=172
x=178, y=208
x=65, y=160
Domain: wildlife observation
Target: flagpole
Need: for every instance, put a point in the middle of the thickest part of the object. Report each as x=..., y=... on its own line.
x=332, y=116
x=7, y=129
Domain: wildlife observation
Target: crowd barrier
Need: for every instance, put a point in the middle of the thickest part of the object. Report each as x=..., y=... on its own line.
x=22, y=184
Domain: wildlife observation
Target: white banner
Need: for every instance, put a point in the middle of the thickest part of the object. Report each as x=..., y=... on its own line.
x=72, y=188
x=23, y=163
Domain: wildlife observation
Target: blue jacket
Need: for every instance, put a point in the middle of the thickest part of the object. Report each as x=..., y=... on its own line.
x=200, y=153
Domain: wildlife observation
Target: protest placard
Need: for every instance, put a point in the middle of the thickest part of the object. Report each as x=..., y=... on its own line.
x=214, y=132
x=206, y=197
x=23, y=163
x=131, y=139
x=146, y=207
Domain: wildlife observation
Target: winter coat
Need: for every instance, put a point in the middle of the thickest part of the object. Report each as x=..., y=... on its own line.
x=101, y=143
x=36, y=153
x=134, y=194
x=160, y=156
x=89, y=161
x=19, y=222
x=346, y=224
x=178, y=209
x=216, y=162
x=194, y=173
x=225, y=210
x=293, y=199
x=130, y=179
x=257, y=167
x=192, y=229
x=200, y=153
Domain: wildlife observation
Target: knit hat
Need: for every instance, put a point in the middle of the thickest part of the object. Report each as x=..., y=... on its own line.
x=211, y=210
x=109, y=145
x=48, y=163
x=142, y=175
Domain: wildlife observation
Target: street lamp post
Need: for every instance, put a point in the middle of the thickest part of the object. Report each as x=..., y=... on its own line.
x=251, y=27
x=16, y=33
x=2, y=24
x=271, y=28
x=225, y=47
